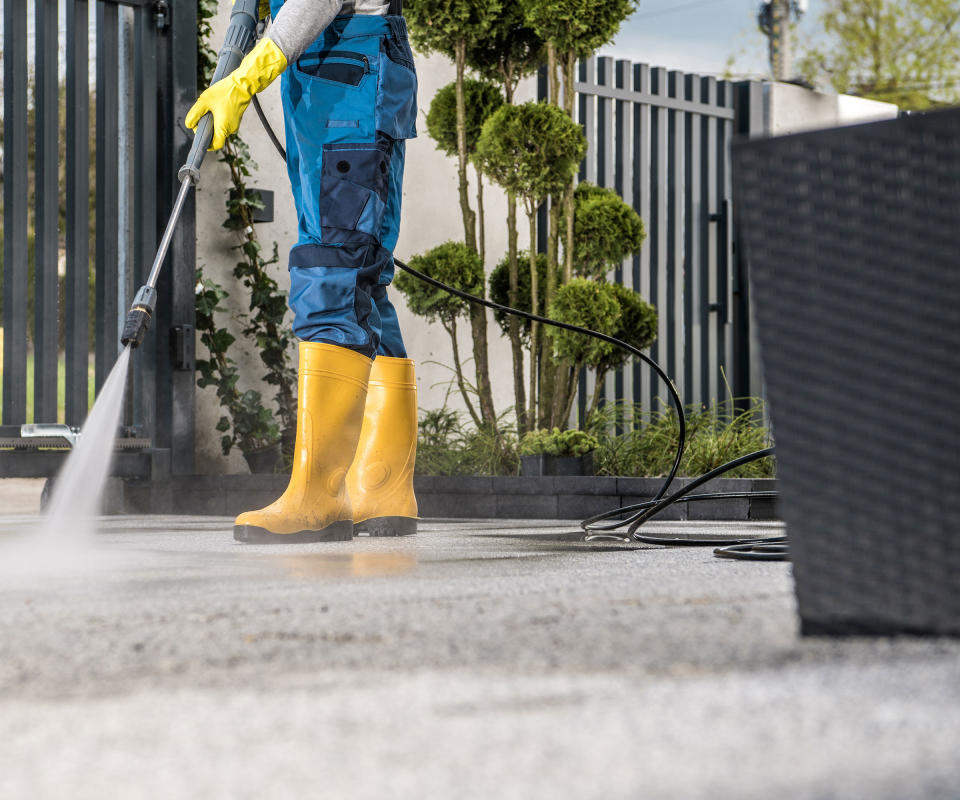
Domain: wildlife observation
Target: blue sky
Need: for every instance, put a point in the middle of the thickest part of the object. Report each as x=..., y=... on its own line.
x=698, y=35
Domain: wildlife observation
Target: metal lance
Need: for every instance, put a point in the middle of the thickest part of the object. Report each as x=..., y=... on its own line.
x=240, y=37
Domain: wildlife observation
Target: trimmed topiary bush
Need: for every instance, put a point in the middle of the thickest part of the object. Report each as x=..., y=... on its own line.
x=606, y=231
x=482, y=98
x=457, y=265
x=452, y=263
x=531, y=150
x=636, y=325
x=587, y=304
x=500, y=290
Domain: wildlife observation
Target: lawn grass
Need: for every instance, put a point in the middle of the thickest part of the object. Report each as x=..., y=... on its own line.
x=61, y=385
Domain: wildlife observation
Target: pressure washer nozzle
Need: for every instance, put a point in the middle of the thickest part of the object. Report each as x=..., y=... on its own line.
x=138, y=317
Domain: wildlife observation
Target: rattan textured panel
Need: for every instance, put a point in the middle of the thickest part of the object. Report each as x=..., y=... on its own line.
x=852, y=243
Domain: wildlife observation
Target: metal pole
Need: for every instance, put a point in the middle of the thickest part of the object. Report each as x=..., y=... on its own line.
x=15, y=243
x=781, y=40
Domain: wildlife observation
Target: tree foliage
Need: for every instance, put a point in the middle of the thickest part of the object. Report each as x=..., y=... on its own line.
x=510, y=50
x=482, y=99
x=441, y=25
x=532, y=150
x=897, y=51
x=587, y=304
x=558, y=443
x=636, y=325
x=500, y=291
x=250, y=425
x=606, y=231
x=606, y=308
x=578, y=26
x=452, y=263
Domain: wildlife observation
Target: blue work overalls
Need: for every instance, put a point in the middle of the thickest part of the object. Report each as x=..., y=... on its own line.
x=349, y=103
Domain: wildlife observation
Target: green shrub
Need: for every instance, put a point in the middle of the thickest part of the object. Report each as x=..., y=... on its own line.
x=532, y=150
x=446, y=446
x=557, y=443
x=647, y=445
x=452, y=263
x=578, y=26
x=508, y=50
x=587, y=304
x=481, y=98
x=636, y=325
x=606, y=231
x=500, y=290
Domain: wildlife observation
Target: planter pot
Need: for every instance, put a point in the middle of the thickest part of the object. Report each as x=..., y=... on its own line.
x=541, y=465
x=265, y=460
x=858, y=330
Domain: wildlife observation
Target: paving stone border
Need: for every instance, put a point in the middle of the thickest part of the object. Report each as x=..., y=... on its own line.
x=558, y=497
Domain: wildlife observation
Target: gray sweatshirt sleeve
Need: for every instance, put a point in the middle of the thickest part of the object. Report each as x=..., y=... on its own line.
x=299, y=23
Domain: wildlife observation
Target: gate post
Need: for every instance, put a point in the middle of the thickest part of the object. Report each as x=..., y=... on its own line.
x=749, y=122
x=176, y=312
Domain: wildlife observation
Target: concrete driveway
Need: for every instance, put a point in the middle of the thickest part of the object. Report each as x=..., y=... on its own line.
x=482, y=659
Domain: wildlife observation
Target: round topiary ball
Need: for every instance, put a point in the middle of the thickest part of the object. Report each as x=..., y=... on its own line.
x=481, y=99
x=605, y=231
x=452, y=263
x=500, y=289
x=532, y=150
x=587, y=304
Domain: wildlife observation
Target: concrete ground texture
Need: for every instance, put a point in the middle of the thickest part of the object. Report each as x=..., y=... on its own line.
x=478, y=659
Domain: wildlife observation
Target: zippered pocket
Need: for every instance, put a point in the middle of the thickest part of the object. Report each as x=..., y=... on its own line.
x=338, y=66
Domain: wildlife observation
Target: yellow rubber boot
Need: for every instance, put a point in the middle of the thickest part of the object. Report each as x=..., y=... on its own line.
x=332, y=390
x=380, y=481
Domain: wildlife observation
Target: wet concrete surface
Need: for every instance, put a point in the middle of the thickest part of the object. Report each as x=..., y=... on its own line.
x=477, y=659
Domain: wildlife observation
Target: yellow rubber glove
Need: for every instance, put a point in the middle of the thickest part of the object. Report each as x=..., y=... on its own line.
x=227, y=99
x=264, y=8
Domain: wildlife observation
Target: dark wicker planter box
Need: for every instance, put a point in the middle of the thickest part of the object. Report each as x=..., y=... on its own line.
x=852, y=243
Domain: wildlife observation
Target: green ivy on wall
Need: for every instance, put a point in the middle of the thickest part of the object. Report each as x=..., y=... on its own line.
x=247, y=424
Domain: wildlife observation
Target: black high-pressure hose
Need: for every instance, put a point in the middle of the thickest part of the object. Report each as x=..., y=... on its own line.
x=753, y=549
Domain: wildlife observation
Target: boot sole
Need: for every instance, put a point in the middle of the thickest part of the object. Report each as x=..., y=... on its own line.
x=341, y=531
x=387, y=526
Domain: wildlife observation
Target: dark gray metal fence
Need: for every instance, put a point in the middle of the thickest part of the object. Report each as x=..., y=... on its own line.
x=143, y=62
x=661, y=139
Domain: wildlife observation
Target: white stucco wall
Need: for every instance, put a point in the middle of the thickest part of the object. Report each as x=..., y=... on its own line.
x=793, y=109
x=431, y=215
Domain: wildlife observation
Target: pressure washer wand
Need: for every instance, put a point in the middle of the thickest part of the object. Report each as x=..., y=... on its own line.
x=241, y=34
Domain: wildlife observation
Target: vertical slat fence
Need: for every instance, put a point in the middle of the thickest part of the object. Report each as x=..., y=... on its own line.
x=132, y=64
x=15, y=255
x=661, y=139
x=46, y=328
x=77, y=288
x=108, y=196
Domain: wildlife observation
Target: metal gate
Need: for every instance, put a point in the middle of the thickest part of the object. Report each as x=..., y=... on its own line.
x=134, y=63
x=661, y=140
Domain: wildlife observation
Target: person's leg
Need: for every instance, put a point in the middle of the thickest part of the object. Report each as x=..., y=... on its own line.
x=331, y=394
x=380, y=480
x=339, y=170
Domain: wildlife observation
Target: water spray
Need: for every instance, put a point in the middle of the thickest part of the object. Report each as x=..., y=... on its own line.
x=240, y=37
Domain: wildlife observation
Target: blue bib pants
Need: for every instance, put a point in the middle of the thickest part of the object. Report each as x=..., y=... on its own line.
x=349, y=103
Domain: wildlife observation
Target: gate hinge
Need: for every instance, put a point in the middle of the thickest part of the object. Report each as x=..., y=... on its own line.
x=182, y=348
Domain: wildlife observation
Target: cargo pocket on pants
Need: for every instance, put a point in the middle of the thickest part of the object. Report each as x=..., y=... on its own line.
x=353, y=191
x=396, y=113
